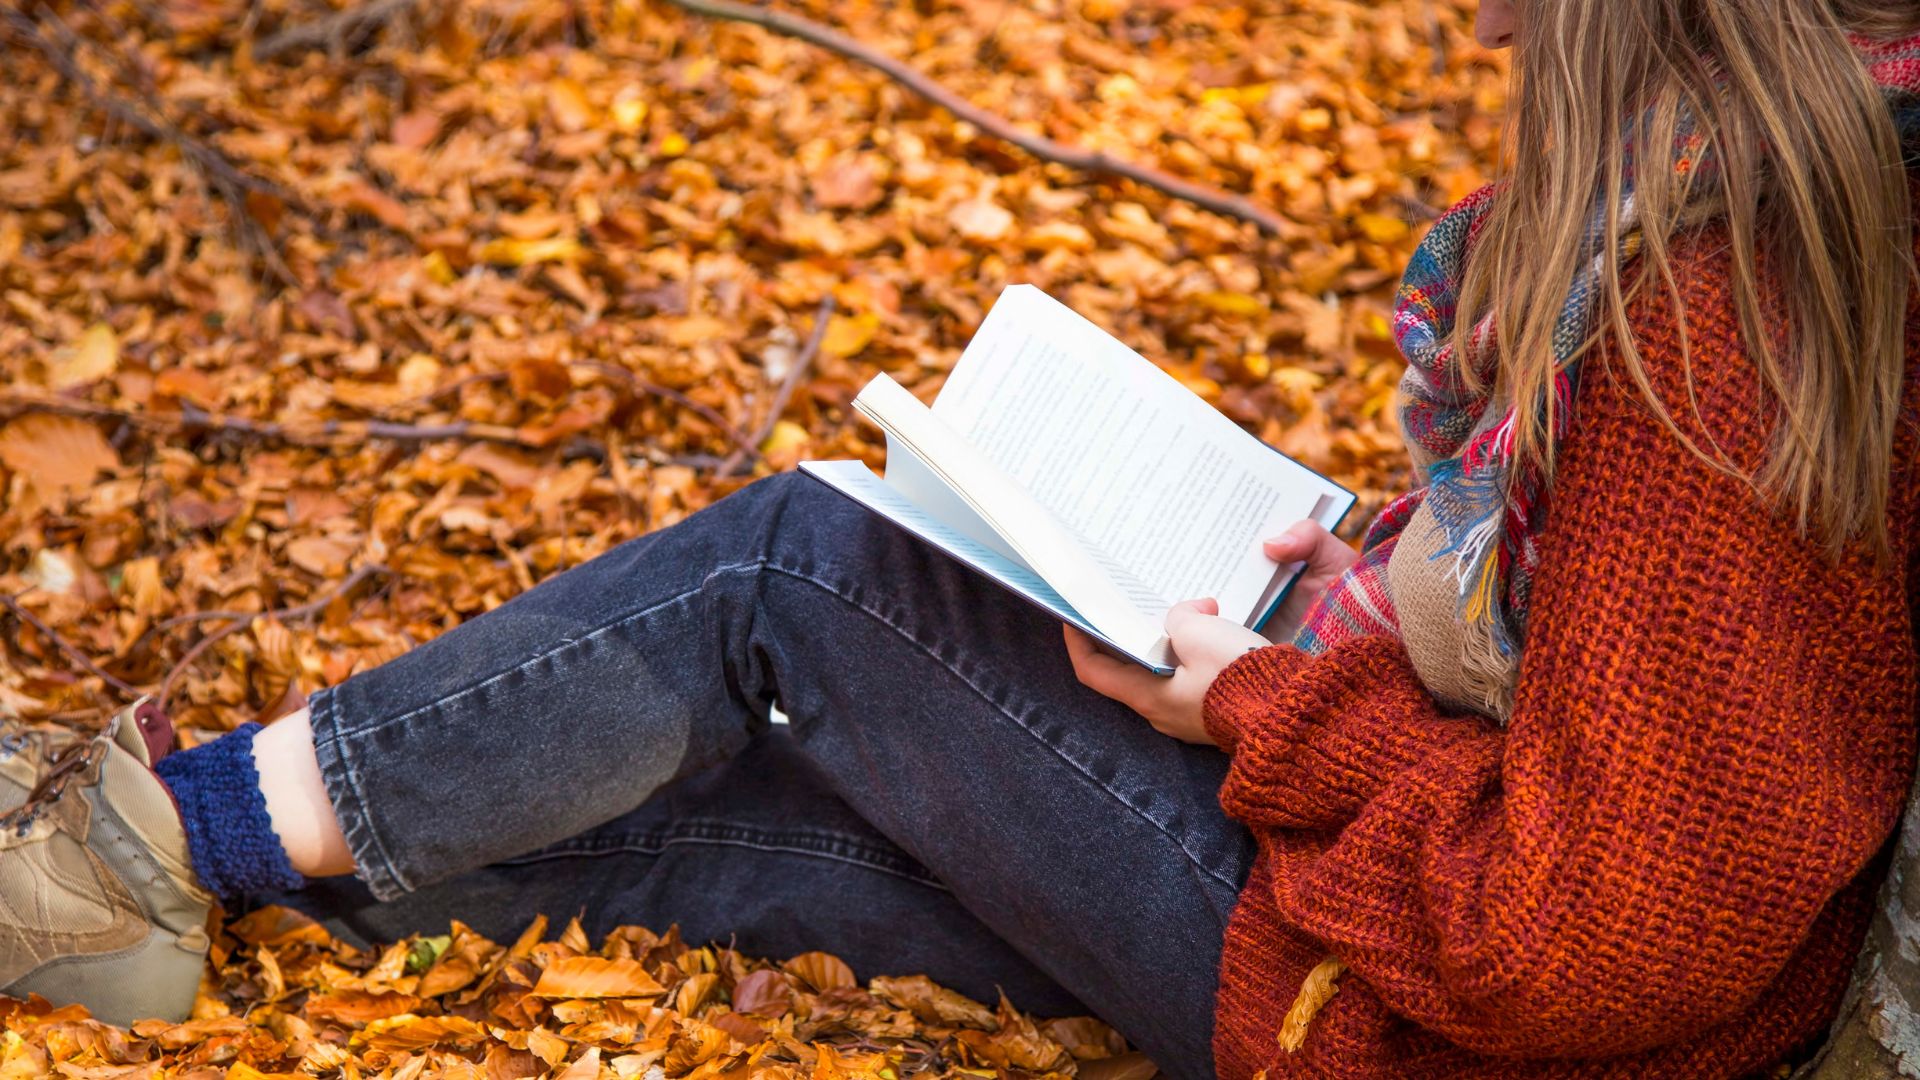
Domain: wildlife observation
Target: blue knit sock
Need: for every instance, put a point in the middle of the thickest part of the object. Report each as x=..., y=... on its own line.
x=229, y=836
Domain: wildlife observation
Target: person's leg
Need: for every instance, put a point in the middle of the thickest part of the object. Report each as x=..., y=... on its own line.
x=939, y=708
x=756, y=853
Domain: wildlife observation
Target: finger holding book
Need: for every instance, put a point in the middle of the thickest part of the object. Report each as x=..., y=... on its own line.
x=1203, y=645
x=1322, y=557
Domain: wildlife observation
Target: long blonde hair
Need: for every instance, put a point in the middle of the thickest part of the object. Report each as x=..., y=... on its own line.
x=1811, y=175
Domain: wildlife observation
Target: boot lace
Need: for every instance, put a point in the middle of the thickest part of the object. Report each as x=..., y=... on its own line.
x=68, y=762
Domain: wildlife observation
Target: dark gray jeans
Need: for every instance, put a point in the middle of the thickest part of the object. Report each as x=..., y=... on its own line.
x=947, y=799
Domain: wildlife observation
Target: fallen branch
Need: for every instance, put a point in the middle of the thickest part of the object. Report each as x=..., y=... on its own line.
x=1212, y=198
x=784, y=394
x=331, y=31
x=705, y=412
x=68, y=649
x=325, y=433
x=244, y=619
x=229, y=181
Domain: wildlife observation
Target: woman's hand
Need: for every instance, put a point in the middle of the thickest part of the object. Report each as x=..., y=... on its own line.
x=1327, y=557
x=1205, y=644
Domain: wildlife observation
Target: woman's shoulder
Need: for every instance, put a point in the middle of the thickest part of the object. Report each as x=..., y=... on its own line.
x=1691, y=337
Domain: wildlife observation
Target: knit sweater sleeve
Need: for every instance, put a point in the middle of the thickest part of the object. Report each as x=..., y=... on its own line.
x=1712, y=735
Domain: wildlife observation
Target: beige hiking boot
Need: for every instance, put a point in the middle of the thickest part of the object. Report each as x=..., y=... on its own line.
x=98, y=900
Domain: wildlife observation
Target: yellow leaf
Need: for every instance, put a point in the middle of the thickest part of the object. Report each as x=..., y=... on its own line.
x=674, y=145
x=786, y=435
x=95, y=356
x=1382, y=229
x=1231, y=303
x=509, y=252
x=438, y=268
x=847, y=335
x=1321, y=984
x=629, y=112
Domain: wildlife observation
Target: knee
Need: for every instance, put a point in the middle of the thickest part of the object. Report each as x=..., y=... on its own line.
x=792, y=495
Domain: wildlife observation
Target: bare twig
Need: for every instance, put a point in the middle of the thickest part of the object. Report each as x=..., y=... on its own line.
x=300, y=611
x=67, y=648
x=230, y=182
x=243, y=619
x=739, y=438
x=325, y=433
x=332, y=31
x=787, y=385
x=1093, y=161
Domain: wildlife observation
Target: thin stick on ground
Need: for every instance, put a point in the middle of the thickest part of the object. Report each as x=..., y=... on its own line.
x=244, y=619
x=332, y=31
x=324, y=433
x=801, y=363
x=228, y=181
x=740, y=440
x=1100, y=162
x=346, y=432
x=71, y=651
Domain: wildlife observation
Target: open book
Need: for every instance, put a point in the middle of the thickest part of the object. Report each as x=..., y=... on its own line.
x=1068, y=468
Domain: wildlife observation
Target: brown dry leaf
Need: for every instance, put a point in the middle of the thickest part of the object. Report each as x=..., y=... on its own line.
x=320, y=555
x=847, y=182
x=1084, y=1037
x=1135, y=1066
x=596, y=977
x=56, y=453
x=764, y=993
x=933, y=1003
x=822, y=971
x=981, y=220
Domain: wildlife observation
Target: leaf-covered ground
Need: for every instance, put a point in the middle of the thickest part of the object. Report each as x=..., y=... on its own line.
x=287, y=1002
x=314, y=346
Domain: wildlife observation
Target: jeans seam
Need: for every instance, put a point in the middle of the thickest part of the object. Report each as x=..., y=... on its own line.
x=556, y=650
x=764, y=842
x=382, y=876
x=830, y=590
x=826, y=840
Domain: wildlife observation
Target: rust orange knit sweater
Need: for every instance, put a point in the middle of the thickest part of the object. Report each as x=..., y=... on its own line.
x=1663, y=867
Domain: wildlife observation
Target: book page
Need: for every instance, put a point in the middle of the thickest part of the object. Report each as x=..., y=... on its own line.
x=993, y=502
x=1149, y=476
x=857, y=482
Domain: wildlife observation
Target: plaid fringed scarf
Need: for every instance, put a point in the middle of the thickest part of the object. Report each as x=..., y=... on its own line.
x=1486, y=512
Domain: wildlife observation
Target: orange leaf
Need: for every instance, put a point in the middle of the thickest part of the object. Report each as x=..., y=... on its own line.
x=56, y=453
x=409, y=1032
x=596, y=977
x=822, y=971
x=359, y=1006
